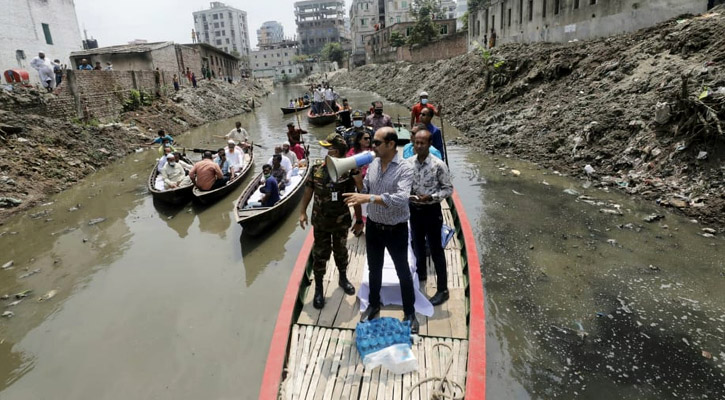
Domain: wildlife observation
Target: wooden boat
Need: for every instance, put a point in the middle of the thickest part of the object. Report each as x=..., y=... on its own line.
x=321, y=119
x=175, y=196
x=211, y=196
x=256, y=220
x=290, y=110
x=313, y=353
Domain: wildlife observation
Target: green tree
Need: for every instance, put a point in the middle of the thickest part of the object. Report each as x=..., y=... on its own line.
x=333, y=52
x=424, y=30
x=397, y=39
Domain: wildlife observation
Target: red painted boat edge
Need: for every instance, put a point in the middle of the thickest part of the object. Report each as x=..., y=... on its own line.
x=272, y=378
x=476, y=371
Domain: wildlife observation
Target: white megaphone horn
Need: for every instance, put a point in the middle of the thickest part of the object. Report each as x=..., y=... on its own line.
x=336, y=167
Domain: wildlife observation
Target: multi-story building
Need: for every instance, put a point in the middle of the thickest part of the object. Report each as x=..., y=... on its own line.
x=270, y=32
x=396, y=12
x=223, y=27
x=565, y=20
x=363, y=17
x=461, y=10
x=319, y=22
x=448, y=9
x=276, y=60
x=37, y=25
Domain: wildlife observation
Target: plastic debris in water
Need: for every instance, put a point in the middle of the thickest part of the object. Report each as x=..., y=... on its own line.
x=8, y=314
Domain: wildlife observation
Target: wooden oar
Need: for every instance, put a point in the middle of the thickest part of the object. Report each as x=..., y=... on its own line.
x=443, y=136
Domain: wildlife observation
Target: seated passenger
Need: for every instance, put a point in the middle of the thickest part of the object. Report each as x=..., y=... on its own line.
x=235, y=156
x=223, y=163
x=270, y=187
x=289, y=154
x=162, y=160
x=180, y=160
x=206, y=174
x=286, y=164
x=173, y=174
x=278, y=172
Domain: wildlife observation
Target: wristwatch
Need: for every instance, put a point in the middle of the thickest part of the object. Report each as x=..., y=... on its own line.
x=372, y=198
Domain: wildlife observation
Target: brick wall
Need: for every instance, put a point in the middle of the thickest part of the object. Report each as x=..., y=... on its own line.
x=97, y=94
x=447, y=47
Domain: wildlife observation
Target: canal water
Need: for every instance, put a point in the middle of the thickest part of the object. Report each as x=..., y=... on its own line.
x=177, y=303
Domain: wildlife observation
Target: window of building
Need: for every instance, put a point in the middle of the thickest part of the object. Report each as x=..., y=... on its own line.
x=521, y=11
x=290, y=70
x=218, y=42
x=230, y=15
x=227, y=41
x=543, y=8
x=214, y=16
x=557, y=3
x=216, y=24
x=398, y=19
x=576, y=4
x=444, y=29
x=222, y=24
x=592, y=2
x=509, y=17
x=503, y=5
x=46, y=32
x=265, y=64
x=531, y=10
x=264, y=55
x=217, y=34
x=404, y=4
x=224, y=32
x=285, y=54
x=362, y=21
x=279, y=62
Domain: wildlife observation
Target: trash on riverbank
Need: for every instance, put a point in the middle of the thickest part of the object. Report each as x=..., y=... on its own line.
x=653, y=217
x=96, y=221
x=23, y=294
x=8, y=314
x=28, y=274
x=7, y=265
x=48, y=295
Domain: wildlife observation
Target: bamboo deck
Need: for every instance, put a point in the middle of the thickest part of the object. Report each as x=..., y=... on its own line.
x=323, y=362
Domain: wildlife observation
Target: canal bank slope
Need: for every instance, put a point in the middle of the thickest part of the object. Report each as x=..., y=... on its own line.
x=644, y=110
x=42, y=154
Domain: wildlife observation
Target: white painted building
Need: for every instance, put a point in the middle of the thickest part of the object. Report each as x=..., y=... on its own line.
x=270, y=32
x=30, y=26
x=397, y=11
x=223, y=27
x=448, y=7
x=461, y=10
x=276, y=61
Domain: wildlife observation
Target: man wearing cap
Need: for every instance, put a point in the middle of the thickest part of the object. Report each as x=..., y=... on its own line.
x=289, y=154
x=173, y=173
x=377, y=119
x=423, y=103
x=358, y=126
x=330, y=219
x=45, y=71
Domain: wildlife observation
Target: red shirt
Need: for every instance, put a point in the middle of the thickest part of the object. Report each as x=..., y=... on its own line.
x=298, y=150
x=415, y=111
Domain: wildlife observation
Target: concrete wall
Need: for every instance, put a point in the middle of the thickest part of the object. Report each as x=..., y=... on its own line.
x=120, y=61
x=446, y=47
x=379, y=50
x=21, y=29
x=538, y=20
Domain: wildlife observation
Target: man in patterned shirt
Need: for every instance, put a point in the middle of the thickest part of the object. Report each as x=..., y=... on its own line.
x=431, y=185
x=386, y=187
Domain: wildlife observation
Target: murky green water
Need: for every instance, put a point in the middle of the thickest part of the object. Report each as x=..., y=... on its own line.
x=175, y=303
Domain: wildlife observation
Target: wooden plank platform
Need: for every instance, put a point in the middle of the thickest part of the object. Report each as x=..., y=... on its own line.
x=343, y=312
x=324, y=364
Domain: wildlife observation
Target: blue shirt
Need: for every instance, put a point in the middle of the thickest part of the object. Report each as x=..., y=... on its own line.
x=159, y=140
x=408, y=151
x=271, y=188
x=86, y=67
x=437, y=139
x=223, y=165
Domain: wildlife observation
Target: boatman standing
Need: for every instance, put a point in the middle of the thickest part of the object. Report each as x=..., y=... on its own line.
x=330, y=219
x=386, y=188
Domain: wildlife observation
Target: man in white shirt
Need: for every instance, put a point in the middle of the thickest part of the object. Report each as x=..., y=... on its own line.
x=318, y=97
x=330, y=99
x=173, y=174
x=239, y=135
x=45, y=71
x=286, y=164
x=235, y=156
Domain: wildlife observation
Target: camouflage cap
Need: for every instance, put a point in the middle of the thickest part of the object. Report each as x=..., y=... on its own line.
x=358, y=114
x=333, y=139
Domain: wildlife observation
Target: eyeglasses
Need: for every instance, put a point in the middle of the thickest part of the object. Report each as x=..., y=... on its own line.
x=377, y=142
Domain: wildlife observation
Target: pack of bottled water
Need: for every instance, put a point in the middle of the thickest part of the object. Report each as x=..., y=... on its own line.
x=386, y=341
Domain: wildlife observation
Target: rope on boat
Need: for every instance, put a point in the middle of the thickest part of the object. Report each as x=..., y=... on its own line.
x=446, y=389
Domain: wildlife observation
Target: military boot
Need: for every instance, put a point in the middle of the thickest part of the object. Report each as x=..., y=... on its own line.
x=346, y=286
x=319, y=300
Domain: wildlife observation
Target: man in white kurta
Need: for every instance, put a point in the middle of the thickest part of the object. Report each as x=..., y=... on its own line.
x=173, y=174
x=235, y=156
x=45, y=70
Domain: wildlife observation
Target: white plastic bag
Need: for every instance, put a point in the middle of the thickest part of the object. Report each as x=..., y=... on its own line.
x=398, y=359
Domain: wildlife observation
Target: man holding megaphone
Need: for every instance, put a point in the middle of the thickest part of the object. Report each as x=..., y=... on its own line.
x=386, y=188
x=330, y=218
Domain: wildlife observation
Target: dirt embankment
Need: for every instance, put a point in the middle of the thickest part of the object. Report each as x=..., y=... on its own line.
x=645, y=110
x=41, y=155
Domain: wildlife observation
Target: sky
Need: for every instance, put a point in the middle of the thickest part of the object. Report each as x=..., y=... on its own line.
x=114, y=22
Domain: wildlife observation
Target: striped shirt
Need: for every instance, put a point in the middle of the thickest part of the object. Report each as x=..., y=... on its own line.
x=393, y=186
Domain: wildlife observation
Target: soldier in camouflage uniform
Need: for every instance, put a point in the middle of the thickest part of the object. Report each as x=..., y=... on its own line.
x=330, y=218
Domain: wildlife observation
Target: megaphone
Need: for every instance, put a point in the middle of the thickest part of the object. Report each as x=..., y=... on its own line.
x=336, y=167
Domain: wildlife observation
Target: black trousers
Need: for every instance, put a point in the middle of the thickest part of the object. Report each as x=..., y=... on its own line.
x=394, y=238
x=426, y=222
